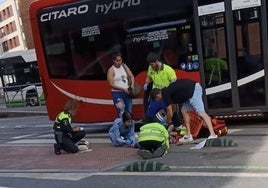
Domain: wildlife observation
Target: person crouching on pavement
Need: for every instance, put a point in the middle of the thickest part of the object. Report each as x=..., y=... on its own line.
x=153, y=140
x=67, y=136
x=122, y=131
x=189, y=94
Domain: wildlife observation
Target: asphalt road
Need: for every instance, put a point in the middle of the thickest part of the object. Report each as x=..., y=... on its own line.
x=27, y=160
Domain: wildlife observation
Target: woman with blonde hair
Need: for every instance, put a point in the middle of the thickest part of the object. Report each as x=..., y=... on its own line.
x=67, y=136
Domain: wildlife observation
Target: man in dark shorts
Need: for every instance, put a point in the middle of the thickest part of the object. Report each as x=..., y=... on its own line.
x=189, y=94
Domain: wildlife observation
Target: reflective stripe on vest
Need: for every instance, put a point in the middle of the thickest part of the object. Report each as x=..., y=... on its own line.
x=60, y=117
x=151, y=133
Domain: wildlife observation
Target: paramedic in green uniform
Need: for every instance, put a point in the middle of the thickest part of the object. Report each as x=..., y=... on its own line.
x=160, y=75
x=153, y=140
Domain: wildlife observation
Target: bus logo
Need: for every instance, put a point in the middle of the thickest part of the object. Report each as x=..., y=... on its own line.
x=72, y=11
x=105, y=8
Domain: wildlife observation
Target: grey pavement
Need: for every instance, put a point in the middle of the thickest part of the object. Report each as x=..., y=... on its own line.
x=249, y=156
x=9, y=112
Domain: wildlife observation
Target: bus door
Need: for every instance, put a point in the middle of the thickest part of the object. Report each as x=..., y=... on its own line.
x=174, y=42
x=250, y=53
x=230, y=48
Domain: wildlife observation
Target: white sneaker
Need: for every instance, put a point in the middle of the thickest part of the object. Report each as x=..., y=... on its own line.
x=212, y=137
x=82, y=147
x=186, y=139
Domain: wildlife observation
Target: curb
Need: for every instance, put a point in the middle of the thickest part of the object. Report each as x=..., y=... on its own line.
x=21, y=114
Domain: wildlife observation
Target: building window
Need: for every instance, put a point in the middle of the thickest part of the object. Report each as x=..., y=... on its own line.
x=10, y=10
x=2, y=32
x=9, y=43
x=8, y=13
x=17, y=41
x=4, y=14
x=5, y=46
x=13, y=26
x=7, y=29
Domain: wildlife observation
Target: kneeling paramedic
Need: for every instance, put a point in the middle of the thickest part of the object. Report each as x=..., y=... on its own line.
x=65, y=135
x=153, y=140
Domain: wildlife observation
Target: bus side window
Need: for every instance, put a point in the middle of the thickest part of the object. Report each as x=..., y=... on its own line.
x=57, y=65
x=171, y=57
x=87, y=65
x=215, y=70
x=105, y=60
x=248, y=64
x=83, y=64
x=85, y=61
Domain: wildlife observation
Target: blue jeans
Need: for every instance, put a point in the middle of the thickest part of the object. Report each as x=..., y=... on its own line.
x=120, y=96
x=196, y=101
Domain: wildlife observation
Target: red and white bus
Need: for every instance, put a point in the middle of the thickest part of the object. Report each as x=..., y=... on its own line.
x=74, y=40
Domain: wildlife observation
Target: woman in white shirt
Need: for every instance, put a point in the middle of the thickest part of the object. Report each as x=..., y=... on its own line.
x=118, y=76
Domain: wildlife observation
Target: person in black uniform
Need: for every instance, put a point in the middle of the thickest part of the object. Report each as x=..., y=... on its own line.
x=189, y=94
x=67, y=136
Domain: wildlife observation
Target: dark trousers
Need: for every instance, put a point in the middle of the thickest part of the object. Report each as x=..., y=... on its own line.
x=67, y=142
x=150, y=145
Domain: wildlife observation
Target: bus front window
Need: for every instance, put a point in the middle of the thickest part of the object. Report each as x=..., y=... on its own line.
x=56, y=56
x=81, y=53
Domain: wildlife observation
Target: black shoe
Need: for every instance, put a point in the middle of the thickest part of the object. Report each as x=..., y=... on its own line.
x=160, y=151
x=145, y=154
x=57, y=149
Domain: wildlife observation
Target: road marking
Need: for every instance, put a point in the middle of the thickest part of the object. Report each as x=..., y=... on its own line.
x=42, y=142
x=51, y=176
x=33, y=141
x=78, y=176
x=23, y=136
x=239, y=167
x=189, y=174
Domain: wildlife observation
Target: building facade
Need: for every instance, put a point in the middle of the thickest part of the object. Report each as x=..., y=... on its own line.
x=24, y=6
x=14, y=21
